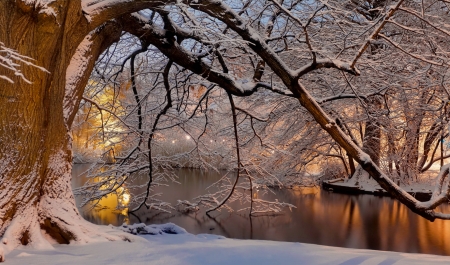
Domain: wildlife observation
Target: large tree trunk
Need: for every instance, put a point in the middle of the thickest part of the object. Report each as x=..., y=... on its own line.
x=36, y=199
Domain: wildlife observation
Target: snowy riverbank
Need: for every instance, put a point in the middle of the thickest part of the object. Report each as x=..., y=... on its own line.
x=201, y=249
x=420, y=188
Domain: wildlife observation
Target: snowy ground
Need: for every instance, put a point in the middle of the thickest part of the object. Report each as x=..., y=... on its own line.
x=425, y=183
x=186, y=249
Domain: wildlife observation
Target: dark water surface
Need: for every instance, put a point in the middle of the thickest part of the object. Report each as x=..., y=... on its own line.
x=321, y=217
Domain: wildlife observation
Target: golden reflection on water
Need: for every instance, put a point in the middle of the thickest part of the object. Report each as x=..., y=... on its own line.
x=321, y=217
x=111, y=209
x=108, y=213
x=389, y=225
x=123, y=198
x=434, y=234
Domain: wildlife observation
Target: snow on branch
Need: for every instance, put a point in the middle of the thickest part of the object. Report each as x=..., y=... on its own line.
x=439, y=194
x=41, y=7
x=416, y=56
x=152, y=34
x=98, y=12
x=226, y=49
x=327, y=63
x=11, y=59
x=377, y=30
x=427, y=21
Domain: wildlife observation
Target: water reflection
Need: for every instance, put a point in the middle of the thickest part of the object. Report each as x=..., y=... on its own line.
x=321, y=217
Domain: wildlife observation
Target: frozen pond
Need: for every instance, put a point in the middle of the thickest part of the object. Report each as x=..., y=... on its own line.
x=321, y=217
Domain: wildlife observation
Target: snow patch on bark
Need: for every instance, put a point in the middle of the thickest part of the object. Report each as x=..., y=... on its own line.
x=93, y=7
x=50, y=215
x=25, y=221
x=245, y=85
x=364, y=158
x=75, y=70
x=42, y=6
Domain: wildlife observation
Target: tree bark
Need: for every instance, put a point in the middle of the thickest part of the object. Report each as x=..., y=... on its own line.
x=372, y=135
x=35, y=158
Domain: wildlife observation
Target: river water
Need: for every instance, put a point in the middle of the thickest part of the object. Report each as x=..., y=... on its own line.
x=321, y=217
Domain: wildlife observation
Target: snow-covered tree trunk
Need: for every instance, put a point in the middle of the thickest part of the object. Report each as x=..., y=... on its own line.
x=36, y=199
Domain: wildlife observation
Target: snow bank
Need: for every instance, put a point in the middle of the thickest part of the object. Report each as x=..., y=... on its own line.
x=187, y=249
x=143, y=229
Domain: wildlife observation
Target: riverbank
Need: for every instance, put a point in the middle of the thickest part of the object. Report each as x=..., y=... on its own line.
x=421, y=188
x=420, y=192
x=203, y=249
